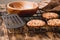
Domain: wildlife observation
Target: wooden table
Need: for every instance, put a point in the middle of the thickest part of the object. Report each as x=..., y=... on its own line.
x=4, y=35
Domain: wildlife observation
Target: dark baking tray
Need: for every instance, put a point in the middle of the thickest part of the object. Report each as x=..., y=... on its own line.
x=42, y=30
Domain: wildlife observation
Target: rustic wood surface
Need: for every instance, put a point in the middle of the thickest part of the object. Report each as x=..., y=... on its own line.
x=4, y=35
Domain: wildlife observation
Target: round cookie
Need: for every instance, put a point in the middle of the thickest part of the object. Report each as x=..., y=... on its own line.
x=53, y=22
x=36, y=23
x=50, y=15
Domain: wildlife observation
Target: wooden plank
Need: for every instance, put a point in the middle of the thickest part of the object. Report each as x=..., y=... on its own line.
x=3, y=33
